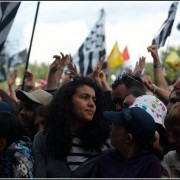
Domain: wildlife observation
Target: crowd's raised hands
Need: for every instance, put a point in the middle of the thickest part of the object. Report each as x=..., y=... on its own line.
x=139, y=66
x=56, y=70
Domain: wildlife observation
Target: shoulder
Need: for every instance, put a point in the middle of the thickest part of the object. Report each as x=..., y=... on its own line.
x=39, y=143
x=22, y=158
x=169, y=158
x=39, y=137
x=23, y=144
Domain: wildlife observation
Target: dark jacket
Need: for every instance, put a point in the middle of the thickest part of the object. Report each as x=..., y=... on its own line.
x=112, y=165
x=49, y=167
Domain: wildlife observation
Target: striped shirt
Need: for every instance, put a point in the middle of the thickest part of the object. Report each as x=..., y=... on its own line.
x=78, y=154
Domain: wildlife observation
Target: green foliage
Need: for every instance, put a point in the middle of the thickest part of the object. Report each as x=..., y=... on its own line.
x=149, y=70
x=40, y=71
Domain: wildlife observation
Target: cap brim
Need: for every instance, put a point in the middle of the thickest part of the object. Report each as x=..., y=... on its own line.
x=116, y=117
x=26, y=97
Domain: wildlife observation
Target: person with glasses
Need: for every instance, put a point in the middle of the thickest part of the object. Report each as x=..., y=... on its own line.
x=122, y=85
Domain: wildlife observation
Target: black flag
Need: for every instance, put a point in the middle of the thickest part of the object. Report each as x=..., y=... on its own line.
x=2, y=68
x=93, y=48
x=166, y=28
x=17, y=59
x=8, y=12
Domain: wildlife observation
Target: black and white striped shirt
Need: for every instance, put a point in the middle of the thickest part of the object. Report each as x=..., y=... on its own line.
x=79, y=155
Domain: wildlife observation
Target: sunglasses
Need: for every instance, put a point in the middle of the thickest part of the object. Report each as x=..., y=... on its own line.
x=124, y=75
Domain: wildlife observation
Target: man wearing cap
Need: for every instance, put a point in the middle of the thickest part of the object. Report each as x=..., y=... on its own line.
x=132, y=134
x=29, y=101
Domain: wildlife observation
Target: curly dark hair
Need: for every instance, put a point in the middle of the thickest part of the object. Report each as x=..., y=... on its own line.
x=60, y=116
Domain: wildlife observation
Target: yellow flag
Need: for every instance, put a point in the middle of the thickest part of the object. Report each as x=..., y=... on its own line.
x=115, y=58
x=173, y=60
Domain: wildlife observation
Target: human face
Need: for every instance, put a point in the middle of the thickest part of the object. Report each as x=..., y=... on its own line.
x=174, y=136
x=83, y=103
x=26, y=114
x=118, y=137
x=118, y=95
x=174, y=99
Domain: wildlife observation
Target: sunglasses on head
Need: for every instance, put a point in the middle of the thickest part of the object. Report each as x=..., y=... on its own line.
x=124, y=75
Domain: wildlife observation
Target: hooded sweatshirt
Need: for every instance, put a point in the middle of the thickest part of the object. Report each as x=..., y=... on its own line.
x=111, y=164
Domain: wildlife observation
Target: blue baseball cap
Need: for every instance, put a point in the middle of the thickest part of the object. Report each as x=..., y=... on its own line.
x=4, y=106
x=136, y=121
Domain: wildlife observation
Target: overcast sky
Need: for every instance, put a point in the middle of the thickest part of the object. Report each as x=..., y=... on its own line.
x=64, y=25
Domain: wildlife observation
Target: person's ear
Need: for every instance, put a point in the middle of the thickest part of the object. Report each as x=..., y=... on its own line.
x=129, y=138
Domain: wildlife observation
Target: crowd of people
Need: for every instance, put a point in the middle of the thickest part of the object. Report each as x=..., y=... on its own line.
x=81, y=127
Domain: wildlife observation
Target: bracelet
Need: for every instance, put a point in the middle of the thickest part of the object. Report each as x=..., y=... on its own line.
x=157, y=65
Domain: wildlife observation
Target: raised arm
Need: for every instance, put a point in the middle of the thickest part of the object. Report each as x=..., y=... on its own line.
x=11, y=83
x=56, y=70
x=159, y=78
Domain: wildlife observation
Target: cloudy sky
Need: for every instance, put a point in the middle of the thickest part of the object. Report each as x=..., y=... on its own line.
x=64, y=25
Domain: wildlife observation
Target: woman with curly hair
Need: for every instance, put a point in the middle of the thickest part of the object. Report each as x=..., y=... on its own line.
x=75, y=132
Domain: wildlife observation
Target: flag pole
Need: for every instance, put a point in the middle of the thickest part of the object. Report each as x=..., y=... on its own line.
x=29, y=51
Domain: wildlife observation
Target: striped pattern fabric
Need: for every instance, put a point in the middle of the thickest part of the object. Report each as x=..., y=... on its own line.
x=166, y=28
x=8, y=12
x=93, y=48
x=78, y=155
x=2, y=68
x=17, y=59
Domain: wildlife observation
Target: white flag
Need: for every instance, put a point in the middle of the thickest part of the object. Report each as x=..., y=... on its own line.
x=166, y=28
x=8, y=12
x=93, y=48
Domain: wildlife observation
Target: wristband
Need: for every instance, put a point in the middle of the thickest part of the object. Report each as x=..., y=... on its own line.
x=157, y=65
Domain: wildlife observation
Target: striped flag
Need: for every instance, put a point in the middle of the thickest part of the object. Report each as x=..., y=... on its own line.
x=2, y=68
x=166, y=28
x=8, y=12
x=93, y=48
x=178, y=26
x=17, y=59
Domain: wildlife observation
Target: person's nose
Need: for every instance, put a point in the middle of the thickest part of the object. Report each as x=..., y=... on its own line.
x=91, y=102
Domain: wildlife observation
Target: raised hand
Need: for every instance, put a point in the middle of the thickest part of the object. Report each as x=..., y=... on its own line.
x=97, y=71
x=12, y=78
x=29, y=79
x=139, y=66
x=154, y=52
x=60, y=62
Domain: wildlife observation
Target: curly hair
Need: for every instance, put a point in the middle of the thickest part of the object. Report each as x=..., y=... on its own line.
x=60, y=116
